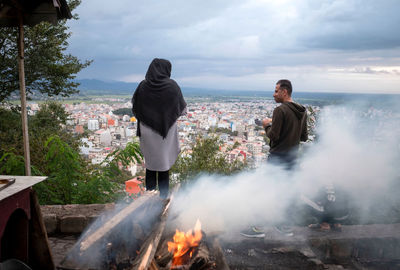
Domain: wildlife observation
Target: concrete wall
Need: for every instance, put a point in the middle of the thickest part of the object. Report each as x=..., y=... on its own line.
x=73, y=218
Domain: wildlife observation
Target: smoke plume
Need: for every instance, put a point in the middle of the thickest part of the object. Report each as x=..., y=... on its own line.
x=357, y=150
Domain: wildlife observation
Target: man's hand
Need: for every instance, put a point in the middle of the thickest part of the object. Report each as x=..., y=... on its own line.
x=258, y=122
x=266, y=122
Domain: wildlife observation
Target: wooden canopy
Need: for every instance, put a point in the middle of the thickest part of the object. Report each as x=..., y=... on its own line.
x=33, y=11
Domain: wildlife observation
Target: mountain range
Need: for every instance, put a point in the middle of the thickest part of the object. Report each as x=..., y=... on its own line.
x=99, y=87
x=94, y=87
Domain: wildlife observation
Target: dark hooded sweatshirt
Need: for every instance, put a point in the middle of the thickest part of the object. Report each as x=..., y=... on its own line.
x=289, y=127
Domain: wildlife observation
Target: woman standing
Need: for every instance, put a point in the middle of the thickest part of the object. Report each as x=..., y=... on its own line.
x=157, y=104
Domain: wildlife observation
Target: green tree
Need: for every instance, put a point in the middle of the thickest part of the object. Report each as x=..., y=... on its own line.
x=70, y=179
x=121, y=158
x=10, y=131
x=48, y=121
x=123, y=111
x=235, y=145
x=12, y=164
x=65, y=170
x=225, y=130
x=206, y=157
x=55, y=153
x=48, y=68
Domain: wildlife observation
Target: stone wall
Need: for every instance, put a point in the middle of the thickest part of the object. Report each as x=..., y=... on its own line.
x=72, y=218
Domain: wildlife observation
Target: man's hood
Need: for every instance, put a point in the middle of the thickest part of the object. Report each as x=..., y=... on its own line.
x=299, y=110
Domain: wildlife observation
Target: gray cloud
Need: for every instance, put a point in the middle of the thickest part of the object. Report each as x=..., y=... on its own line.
x=234, y=40
x=353, y=25
x=368, y=70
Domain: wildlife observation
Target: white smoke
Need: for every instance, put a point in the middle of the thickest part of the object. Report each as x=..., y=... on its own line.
x=356, y=150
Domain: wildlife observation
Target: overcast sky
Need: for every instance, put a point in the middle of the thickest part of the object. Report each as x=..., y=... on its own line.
x=320, y=45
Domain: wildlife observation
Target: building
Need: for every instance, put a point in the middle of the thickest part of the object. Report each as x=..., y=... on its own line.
x=79, y=129
x=104, y=137
x=93, y=124
x=86, y=147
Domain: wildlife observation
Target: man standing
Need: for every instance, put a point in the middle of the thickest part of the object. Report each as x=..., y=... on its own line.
x=287, y=127
x=285, y=130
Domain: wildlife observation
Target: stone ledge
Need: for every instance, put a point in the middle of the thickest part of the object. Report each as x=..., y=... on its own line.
x=367, y=243
x=374, y=241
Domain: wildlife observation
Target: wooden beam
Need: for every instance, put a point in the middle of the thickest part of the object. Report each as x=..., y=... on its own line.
x=114, y=221
x=153, y=265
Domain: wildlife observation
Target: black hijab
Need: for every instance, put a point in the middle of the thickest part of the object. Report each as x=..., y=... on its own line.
x=158, y=100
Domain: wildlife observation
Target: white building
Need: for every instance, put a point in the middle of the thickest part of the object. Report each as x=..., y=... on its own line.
x=104, y=137
x=223, y=124
x=86, y=147
x=212, y=121
x=126, y=118
x=233, y=126
x=133, y=169
x=70, y=122
x=97, y=160
x=130, y=131
x=93, y=124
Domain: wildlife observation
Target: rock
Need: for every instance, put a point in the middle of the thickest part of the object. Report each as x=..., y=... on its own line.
x=50, y=222
x=73, y=224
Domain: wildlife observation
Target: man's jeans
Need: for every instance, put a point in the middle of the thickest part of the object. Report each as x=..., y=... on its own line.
x=286, y=160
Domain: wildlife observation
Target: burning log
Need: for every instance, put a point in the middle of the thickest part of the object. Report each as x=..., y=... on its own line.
x=207, y=255
x=188, y=251
x=148, y=249
x=131, y=239
x=201, y=259
x=196, y=257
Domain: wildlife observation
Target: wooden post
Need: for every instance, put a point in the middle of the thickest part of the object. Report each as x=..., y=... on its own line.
x=24, y=115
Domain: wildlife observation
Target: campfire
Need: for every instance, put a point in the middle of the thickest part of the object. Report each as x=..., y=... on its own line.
x=131, y=239
x=184, y=245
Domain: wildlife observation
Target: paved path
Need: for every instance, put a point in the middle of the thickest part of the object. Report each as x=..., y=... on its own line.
x=307, y=248
x=60, y=246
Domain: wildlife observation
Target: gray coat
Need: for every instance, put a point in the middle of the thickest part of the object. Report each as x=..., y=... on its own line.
x=159, y=154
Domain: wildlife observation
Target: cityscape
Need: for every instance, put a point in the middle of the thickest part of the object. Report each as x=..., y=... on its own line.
x=231, y=120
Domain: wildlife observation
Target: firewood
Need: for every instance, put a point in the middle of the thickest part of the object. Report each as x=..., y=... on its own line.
x=114, y=221
x=180, y=267
x=153, y=265
x=149, y=247
x=201, y=257
x=163, y=258
x=137, y=231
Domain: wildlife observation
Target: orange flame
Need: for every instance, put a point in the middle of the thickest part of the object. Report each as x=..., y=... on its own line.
x=184, y=244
